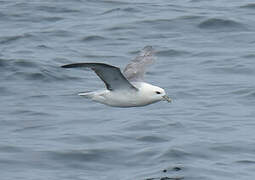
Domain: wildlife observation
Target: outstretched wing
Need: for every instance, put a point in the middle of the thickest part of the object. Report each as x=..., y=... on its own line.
x=135, y=70
x=110, y=75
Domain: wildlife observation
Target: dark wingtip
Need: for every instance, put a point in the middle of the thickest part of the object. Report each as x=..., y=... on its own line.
x=64, y=66
x=85, y=65
x=69, y=65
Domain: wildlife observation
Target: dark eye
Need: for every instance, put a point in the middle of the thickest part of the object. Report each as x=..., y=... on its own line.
x=158, y=92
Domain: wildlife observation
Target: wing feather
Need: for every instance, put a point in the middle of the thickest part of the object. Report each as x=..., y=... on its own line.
x=110, y=75
x=135, y=70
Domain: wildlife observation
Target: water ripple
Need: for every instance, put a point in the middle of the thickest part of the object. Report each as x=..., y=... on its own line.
x=154, y=139
x=175, y=153
x=249, y=6
x=10, y=39
x=30, y=70
x=246, y=162
x=84, y=155
x=129, y=10
x=3, y=63
x=172, y=52
x=217, y=23
x=56, y=9
x=93, y=38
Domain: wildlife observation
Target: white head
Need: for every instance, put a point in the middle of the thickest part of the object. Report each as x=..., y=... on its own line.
x=154, y=93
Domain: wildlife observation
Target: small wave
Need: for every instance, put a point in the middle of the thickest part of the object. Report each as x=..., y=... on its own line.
x=56, y=9
x=9, y=148
x=171, y=52
x=58, y=33
x=120, y=27
x=249, y=6
x=93, y=38
x=4, y=17
x=52, y=19
x=14, y=65
x=244, y=91
x=180, y=23
x=154, y=139
x=156, y=21
x=132, y=10
x=249, y=56
x=27, y=76
x=114, y=2
x=251, y=95
x=35, y=76
x=4, y=63
x=24, y=63
x=179, y=19
x=236, y=69
x=175, y=153
x=85, y=155
x=31, y=71
x=227, y=148
x=129, y=10
x=216, y=23
x=189, y=17
x=9, y=39
x=34, y=127
x=111, y=11
x=246, y=162
x=5, y=91
x=42, y=46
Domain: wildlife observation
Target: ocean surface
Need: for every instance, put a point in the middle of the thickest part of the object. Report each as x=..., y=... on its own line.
x=205, y=62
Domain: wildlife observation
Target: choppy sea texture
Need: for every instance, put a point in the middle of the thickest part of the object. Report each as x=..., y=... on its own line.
x=205, y=61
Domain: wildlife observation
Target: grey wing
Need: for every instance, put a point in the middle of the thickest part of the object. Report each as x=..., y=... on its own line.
x=135, y=70
x=110, y=75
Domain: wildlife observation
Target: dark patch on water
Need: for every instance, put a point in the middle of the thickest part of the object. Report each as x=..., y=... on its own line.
x=28, y=70
x=175, y=154
x=118, y=10
x=249, y=56
x=249, y=6
x=218, y=24
x=29, y=76
x=171, y=52
x=116, y=3
x=86, y=155
x=233, y=70
x=154, y=139
x=11, y=149
x=246, y=162
x=42, y=46
x=57, y=33
x=159, y=23
x=52, y=19
x=93, y=38
x=4, y=91
x=3, y=63
x=120, y=27
x=25, y=64
x=251, y=94
x=56, y=9
x=11, y=39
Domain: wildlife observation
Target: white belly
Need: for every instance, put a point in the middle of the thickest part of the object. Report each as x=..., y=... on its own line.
x=124, y=98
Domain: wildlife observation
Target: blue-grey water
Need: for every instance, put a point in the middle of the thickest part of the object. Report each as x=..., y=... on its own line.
x=205, y=62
